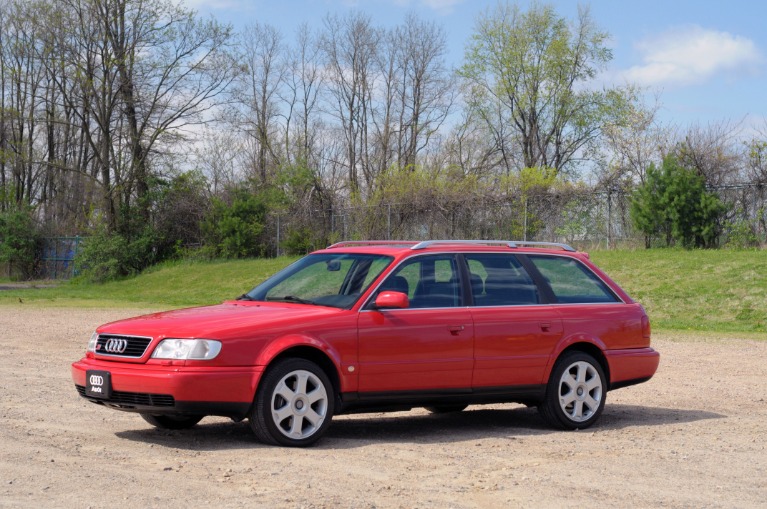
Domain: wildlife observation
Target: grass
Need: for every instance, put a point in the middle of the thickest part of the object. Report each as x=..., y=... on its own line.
x=701, y=290
x=719, y=291
x=176, y=284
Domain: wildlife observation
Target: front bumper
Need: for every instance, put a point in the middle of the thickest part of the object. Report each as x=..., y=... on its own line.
x=173, y=390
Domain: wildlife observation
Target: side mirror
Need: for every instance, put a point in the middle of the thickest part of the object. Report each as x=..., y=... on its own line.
x=389, y=299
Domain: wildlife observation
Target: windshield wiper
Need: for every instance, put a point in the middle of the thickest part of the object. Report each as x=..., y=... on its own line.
x=245, y=296
x=292, y=298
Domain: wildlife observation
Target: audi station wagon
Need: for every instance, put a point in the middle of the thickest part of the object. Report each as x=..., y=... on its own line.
x=382, y=326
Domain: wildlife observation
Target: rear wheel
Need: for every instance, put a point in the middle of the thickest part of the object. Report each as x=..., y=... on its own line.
x=446, y=409
x=575, y=394
x=172, y=421
x=294, y=404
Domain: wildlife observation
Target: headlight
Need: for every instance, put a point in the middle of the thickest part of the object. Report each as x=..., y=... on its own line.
x=92, y=343
x=187, y=349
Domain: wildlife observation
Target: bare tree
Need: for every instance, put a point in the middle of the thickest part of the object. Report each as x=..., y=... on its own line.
x=633, y=144
x=262, y=57
x=349, y=48
x=303, y=84
x=426, y=90
x=713, y=151
x=756, y=150
x=23, y=82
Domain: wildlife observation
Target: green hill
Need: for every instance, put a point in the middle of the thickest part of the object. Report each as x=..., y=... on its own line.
x=704, y=290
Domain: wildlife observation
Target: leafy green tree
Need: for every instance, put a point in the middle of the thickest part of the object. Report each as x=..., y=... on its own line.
x=234, y=230
x=19, y=242
x=179, y=207
x=527, y=74
x=674, y=205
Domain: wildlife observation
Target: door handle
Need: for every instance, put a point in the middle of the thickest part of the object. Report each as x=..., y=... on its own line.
x=455, y=329
x=545, y=326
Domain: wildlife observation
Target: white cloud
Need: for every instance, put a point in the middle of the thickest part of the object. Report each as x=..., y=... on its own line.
x=688, y=55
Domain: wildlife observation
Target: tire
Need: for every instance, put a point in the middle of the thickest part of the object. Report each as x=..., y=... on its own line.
x=172, y=421
x=446, y=408
x=294, y=404
x=576, y=392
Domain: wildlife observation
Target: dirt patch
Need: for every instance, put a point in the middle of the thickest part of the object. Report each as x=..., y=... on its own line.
x=694, y=436
x=28, y=285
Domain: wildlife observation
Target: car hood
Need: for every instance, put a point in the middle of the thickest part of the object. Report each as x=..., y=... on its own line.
x=230, y=319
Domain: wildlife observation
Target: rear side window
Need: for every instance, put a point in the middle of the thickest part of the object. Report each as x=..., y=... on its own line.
x=500, y=280
x=571, y=281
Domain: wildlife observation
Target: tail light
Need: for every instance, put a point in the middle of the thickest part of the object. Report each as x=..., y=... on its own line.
x=646, y=330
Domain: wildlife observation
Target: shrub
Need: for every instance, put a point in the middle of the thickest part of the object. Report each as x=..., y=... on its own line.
x=301, y=241
x=234, y=231
x=106, y=256
x=741, y=235
x=20, y=242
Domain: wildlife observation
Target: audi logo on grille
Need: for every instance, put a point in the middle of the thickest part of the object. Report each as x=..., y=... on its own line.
x=114, y=345
x=96, y=380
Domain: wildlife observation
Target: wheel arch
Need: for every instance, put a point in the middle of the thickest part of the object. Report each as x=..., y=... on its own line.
x=312, y=354
x=587, y=347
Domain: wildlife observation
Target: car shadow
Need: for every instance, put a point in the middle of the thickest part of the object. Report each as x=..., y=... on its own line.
x=620, y=416
x=359, y=430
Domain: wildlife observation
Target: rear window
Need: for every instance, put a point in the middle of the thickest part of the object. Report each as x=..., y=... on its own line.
x=571, y=281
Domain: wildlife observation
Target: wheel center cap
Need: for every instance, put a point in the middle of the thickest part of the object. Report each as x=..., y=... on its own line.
x=299, y=405
x=580, y=392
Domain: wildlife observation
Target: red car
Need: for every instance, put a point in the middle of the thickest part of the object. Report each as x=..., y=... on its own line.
x=364, y=326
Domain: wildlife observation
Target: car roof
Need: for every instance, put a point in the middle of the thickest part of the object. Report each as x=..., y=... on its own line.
x=399, y=247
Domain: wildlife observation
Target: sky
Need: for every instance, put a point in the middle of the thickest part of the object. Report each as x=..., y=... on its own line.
x=705, y=60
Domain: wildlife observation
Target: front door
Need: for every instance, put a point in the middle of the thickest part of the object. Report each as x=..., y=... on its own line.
x=428, y=346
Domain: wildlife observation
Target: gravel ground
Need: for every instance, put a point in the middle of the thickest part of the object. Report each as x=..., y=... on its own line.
x=694, y=436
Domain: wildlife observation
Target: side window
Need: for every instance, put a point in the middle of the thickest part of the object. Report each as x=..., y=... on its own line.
x=571, y=281
x=428, y=281
x=500, y=280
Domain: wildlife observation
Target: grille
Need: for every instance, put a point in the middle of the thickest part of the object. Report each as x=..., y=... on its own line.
x=134, y=398
x=134, y=347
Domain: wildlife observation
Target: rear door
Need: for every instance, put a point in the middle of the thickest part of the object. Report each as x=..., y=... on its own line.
x=515, y=328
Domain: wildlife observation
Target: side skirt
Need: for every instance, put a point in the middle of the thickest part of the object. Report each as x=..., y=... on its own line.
x=360, y=402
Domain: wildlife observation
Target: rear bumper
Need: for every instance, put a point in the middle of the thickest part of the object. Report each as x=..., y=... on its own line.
x=173, y=390
x=631, y=366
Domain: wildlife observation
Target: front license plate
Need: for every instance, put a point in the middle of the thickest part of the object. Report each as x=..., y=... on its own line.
x=98, y=384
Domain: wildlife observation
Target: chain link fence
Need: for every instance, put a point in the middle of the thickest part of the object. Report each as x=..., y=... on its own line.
x=585, y=219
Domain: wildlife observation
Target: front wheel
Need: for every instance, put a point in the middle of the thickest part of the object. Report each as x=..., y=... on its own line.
x=294, y=404
x=575, y=394
x=172, y=421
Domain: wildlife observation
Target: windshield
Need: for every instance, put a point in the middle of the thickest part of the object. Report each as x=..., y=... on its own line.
x=335, y=280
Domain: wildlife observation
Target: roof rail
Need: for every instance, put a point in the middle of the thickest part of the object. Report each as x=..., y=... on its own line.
x=512, y=244
x=359, y=243
x=559, y=245
x=429, y=243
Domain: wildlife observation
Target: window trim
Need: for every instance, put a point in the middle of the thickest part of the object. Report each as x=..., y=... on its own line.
x=370, y=301
x=535, y=276
x=548, y=298
x=547, y=286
